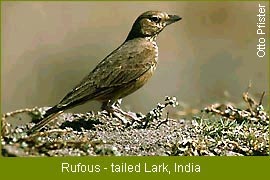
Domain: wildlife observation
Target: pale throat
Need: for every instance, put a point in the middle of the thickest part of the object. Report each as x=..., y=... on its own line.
x=152, y=39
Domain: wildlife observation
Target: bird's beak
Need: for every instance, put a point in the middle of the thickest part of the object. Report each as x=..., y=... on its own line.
x=172, y=19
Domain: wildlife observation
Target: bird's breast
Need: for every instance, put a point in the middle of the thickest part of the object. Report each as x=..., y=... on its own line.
x=156, y=52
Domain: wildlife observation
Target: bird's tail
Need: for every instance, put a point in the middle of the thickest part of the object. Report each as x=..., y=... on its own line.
x=47, y=117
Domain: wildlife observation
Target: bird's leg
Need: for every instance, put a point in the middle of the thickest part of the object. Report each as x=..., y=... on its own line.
x=114, y=108
x=117, y=103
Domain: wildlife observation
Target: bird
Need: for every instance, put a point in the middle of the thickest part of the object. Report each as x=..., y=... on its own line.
x=123, y=71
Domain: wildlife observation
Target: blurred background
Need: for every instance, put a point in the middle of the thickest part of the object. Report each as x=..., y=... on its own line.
x=209, y=56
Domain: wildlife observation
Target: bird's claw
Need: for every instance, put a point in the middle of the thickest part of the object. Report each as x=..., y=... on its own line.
x=122, y=115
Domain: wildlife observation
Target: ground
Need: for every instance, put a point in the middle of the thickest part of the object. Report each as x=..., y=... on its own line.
x=218, y=130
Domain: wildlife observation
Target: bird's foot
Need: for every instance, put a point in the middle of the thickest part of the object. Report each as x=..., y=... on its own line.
x=115, y=110
x=124, y=116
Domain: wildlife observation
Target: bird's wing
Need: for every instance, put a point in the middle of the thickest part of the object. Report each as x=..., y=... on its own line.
x=122, y=66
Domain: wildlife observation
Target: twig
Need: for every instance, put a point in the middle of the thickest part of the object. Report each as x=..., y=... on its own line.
x=19, y=111
x=162, y=122
x=261, y=99
x=249, y=100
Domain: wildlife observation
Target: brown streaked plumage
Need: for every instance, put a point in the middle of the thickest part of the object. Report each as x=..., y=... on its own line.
x=122, y=72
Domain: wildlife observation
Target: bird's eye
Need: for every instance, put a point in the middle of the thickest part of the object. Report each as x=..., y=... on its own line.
x=155, y=19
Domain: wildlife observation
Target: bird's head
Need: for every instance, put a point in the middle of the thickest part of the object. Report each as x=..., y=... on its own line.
x=151, y=23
